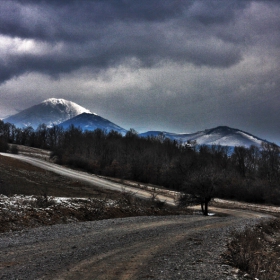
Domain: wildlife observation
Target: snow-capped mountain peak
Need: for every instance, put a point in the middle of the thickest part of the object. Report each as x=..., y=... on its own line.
x=68, y=106
x=51, y=112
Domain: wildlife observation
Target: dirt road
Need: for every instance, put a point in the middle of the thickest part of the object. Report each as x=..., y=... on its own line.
x=88, y=178
x=172, y=247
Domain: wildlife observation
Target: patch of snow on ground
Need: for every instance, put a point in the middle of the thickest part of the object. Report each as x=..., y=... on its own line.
x=25, y=201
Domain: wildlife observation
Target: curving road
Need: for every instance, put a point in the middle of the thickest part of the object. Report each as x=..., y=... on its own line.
x=88, y=178
x=171, y=247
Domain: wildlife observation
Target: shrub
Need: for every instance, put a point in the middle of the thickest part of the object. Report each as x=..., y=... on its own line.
x=43, y=201
x=14, y=149
x=252, y=251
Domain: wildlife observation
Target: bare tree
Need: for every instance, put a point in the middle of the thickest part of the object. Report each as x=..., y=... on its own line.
x=200, y=187
x=270, y=162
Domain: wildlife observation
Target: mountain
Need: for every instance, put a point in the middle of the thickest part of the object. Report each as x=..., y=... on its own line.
x=62, y=112
x=59, y=111
x=221, y=135
x=51, y=111
x=90, y=122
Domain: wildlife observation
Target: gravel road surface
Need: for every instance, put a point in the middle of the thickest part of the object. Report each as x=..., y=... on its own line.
x=171, y=247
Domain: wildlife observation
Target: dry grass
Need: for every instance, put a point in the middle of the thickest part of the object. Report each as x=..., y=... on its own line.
x=26, y=212
x=17, y=177
x=256, y=250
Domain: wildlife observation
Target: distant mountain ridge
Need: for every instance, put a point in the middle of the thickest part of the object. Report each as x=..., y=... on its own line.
x=221, y=135
x=65, y=113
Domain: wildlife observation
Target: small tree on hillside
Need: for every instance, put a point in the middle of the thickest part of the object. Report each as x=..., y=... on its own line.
x=3, y=144
x=200, y=188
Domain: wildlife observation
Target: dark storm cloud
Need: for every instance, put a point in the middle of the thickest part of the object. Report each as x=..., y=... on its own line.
x=216, y=11
x=54, y=20
x=125, y=9
x=101, y=34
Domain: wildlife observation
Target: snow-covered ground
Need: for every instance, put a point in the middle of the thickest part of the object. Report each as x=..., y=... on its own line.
x=19, y=202
x=18, y=212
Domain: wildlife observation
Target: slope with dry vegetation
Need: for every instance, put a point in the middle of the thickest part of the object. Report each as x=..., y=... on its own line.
x=38, y=202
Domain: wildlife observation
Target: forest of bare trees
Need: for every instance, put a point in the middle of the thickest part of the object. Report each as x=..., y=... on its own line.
x=201, y=172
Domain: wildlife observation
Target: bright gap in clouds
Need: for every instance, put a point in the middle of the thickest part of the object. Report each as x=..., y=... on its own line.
x=12, y=47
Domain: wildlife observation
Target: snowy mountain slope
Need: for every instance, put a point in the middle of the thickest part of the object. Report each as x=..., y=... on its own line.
x=229, y=136
x=59, y=111
x=51, y=111
x=91, y=122
x=221, y=135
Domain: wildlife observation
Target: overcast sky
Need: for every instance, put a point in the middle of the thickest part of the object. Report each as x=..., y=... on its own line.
x=173, y=65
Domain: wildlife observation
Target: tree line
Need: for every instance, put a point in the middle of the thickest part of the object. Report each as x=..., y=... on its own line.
x=201, y=172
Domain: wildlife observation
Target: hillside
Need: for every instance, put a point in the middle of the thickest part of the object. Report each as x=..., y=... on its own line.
x=221, y=135
x=91, y=122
